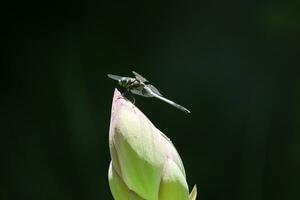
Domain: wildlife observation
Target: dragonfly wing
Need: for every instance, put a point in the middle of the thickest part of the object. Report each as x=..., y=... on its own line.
x=114, y=77
x=154, y=89
x=140, y=77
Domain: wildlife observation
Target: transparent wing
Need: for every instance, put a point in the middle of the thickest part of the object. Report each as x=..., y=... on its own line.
x=115, y=77
x=140, y=77
x=154, y=89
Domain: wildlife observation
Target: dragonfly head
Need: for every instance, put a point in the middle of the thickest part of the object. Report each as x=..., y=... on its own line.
x=124, y=82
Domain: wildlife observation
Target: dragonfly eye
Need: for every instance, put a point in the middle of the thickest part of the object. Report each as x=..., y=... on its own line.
x=123, y=82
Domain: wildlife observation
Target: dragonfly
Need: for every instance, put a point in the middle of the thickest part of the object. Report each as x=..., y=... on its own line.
x=139, y=85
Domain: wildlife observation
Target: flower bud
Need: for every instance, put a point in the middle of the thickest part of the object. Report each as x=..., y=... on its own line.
x=145, y=164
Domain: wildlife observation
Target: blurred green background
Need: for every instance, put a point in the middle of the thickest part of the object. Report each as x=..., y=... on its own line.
x=234, y=64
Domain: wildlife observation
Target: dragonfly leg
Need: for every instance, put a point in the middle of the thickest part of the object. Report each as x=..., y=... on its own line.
x=128, y=95
x=132, y=99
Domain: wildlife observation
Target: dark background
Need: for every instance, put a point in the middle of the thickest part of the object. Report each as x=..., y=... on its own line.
x=232, y=63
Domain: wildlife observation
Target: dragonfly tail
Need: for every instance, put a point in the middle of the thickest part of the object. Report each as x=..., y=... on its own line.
x=172, y=103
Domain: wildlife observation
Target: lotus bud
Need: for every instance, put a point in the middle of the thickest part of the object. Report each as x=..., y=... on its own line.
x=145, y=164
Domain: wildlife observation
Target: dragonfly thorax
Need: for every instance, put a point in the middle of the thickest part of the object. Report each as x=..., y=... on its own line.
x=126, y=82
